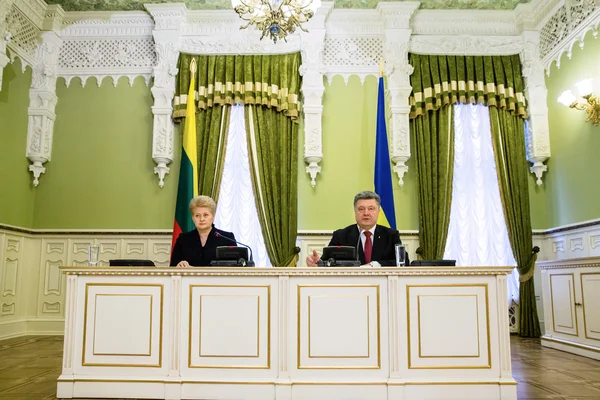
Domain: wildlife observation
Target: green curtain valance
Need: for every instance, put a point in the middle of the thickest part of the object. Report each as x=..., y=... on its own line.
x=491, y=80
x=269, y=80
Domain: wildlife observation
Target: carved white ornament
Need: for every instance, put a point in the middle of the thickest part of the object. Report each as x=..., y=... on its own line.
x=42, y=98
x=339, y=42
x=466, y=45
x=537, y=132
x=568, y=26
x=5, y=35
x=19, y=34
x=312, y=71
x=397, y=20
x=102, y=58
x=238, y=43
x=464, y=22
x=168, y=20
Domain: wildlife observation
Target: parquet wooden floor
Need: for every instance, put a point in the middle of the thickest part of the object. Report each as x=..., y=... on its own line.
x=30, y=365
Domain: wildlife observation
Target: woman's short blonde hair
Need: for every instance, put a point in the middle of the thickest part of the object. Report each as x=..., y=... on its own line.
x=203, y=201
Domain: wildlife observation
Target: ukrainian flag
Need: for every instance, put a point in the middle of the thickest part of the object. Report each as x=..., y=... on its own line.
x=188, y=172
x=383, y=169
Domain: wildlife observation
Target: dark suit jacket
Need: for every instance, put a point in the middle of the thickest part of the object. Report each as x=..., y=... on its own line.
x=383, y=243
x=188, y=247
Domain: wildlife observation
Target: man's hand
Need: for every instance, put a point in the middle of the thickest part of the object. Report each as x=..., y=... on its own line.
x=183, y=264
x=313, y=259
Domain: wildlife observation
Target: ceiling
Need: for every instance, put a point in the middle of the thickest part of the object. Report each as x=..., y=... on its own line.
x=129, y=5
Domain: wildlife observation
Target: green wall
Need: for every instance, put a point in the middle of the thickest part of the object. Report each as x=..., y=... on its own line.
x=572, y=188
x=349, y=123
x=101, y=173
x=16, y=187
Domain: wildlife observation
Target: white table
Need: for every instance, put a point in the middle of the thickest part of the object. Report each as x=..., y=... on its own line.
x=287, y=333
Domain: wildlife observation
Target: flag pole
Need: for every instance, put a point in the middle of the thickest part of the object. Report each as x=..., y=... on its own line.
x=381, y=63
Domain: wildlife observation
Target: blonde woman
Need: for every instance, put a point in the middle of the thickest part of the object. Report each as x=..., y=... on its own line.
x=198, y=247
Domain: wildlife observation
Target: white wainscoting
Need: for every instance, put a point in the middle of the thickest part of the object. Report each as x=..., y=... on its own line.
x=32, y=297
x=580, y=240
x=32, y=287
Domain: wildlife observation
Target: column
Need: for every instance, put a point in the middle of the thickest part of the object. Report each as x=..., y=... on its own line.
x=42, y=94
x=168, y=19
x=537, y=134
x=397, y=17
x=312, y=71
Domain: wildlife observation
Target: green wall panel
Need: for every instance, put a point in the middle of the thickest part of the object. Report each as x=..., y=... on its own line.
x=101, y=173
x=572, y=186
x=16, y=187
x=349, y=123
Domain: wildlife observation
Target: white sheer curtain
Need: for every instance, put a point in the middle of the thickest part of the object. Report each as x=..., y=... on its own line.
x=477, y=234
x=236, y=210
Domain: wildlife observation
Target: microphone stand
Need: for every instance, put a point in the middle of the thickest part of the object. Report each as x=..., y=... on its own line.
x=250, y=262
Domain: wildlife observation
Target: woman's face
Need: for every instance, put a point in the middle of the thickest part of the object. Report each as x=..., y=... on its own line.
x=203, y=218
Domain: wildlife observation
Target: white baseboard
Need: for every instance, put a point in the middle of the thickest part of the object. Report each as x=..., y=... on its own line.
x=571, y=347
x=13, y=328
x=25, y=327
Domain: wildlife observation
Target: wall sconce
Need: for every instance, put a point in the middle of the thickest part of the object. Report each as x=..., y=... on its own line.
x=586, y=101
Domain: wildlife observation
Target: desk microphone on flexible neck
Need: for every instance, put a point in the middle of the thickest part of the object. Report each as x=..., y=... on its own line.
x=250, y=261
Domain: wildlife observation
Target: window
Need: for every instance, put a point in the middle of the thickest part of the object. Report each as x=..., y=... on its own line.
x=477, y=234
x=236, y=210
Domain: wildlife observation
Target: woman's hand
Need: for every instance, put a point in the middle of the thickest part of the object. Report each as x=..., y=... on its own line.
x=183, y=264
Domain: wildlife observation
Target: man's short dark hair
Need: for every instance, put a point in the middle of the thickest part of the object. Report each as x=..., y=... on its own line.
x=367, y=195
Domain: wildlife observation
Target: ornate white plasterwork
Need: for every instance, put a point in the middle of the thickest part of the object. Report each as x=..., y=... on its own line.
x=218, y=32
x=353, y=44
x=535, y=14
x=538, y=132
x=568, y=26
x=312, y=71
x=168, y=19
x=5, y=34
x=107, y=45
x=466, y=45
x=18, y=32
x=464, y=22
x=42, y=95
x=132, y=44
x=352, y=55
x=397, y=21
x=237, y=43
x=103, y=58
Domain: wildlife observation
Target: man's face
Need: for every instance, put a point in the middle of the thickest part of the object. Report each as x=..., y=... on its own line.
x=366, y=213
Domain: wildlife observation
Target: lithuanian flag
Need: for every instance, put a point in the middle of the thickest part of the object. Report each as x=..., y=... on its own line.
x=188, y=172
x=383, y=170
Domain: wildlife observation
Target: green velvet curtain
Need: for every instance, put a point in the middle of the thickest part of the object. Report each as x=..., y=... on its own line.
x=433, y=138
x=269, y=87
x=275, y=179
x=508, y=139
x=438, y=82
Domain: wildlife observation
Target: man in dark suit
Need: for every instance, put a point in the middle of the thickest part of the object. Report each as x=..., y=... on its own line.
x=377, y=242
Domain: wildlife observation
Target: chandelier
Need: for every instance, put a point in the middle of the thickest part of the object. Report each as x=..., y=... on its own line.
x=276, y=18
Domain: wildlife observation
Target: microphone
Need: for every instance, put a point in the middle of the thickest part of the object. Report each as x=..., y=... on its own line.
x=250, y=261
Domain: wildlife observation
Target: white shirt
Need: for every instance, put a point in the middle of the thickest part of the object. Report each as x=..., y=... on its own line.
x=363, y=238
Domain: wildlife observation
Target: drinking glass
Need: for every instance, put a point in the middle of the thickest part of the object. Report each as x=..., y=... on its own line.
x=400, y=252
x=93, y=252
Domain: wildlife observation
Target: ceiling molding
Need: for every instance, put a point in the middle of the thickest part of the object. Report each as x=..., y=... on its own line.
x=464, y=22
x=466, y=45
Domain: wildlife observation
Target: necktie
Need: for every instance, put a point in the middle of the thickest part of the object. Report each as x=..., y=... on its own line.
x=368, y=247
